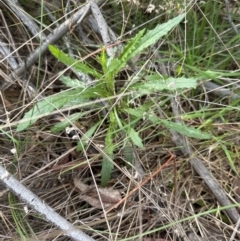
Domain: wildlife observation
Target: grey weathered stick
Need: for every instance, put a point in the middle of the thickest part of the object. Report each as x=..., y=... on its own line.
x=102, y=25
x=220, y=91
x=52, y=38
x=230, y=17
x=25, y=18
x=4, y=51
x=37, y=204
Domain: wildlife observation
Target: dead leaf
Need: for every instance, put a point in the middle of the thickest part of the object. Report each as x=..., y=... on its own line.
x=90, y=194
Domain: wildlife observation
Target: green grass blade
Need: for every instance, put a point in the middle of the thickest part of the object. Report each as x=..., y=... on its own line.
x=230, y=160
x=88, y=135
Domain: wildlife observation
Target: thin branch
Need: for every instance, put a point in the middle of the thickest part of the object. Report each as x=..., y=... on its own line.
x=220, y=91
x=5, y=51
x=102, y=25
x=41, y=207
x=51, y=39
x=25, y=18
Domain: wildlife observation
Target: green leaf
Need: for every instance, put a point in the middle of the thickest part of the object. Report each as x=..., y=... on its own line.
x=72, y=83
x=209, y=74
x=140, y=112
x=181, y=128
x=156, y=83
x=178, y=127
x=103, y=61
x=48, y=105
x=107, y=165
x=133, y=135
x=115, y=65
x=128, y=153
x=140, y=42
x=131, y=46
x=76, y=65
x=152, y=36
x=127, y=51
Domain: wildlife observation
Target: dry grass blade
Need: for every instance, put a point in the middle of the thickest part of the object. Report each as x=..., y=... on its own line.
x=144, y=182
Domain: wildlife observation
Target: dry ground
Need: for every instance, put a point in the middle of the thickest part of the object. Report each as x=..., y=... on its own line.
x=47, y=163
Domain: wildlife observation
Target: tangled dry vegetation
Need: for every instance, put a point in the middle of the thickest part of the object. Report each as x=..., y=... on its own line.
x=163, y=203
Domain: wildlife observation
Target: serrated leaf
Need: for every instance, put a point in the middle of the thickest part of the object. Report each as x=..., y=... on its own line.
x=133, y=135
x=46, y=106
x=181, y=128
x=178, y=127
x=156, y=83
x=72, y=83
x=114, y=65
x=127, y=51
x=117, y=64
x=130, y=47
x=152, y=36
x=76, y=65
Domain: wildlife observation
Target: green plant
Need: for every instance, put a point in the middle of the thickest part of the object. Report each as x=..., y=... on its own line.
x=117, y=101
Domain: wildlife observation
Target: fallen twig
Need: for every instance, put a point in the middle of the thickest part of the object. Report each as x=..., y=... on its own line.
x=102, y=25
x=41, y=207
x=220, y=91
x=25, y=18
x=51, y=39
